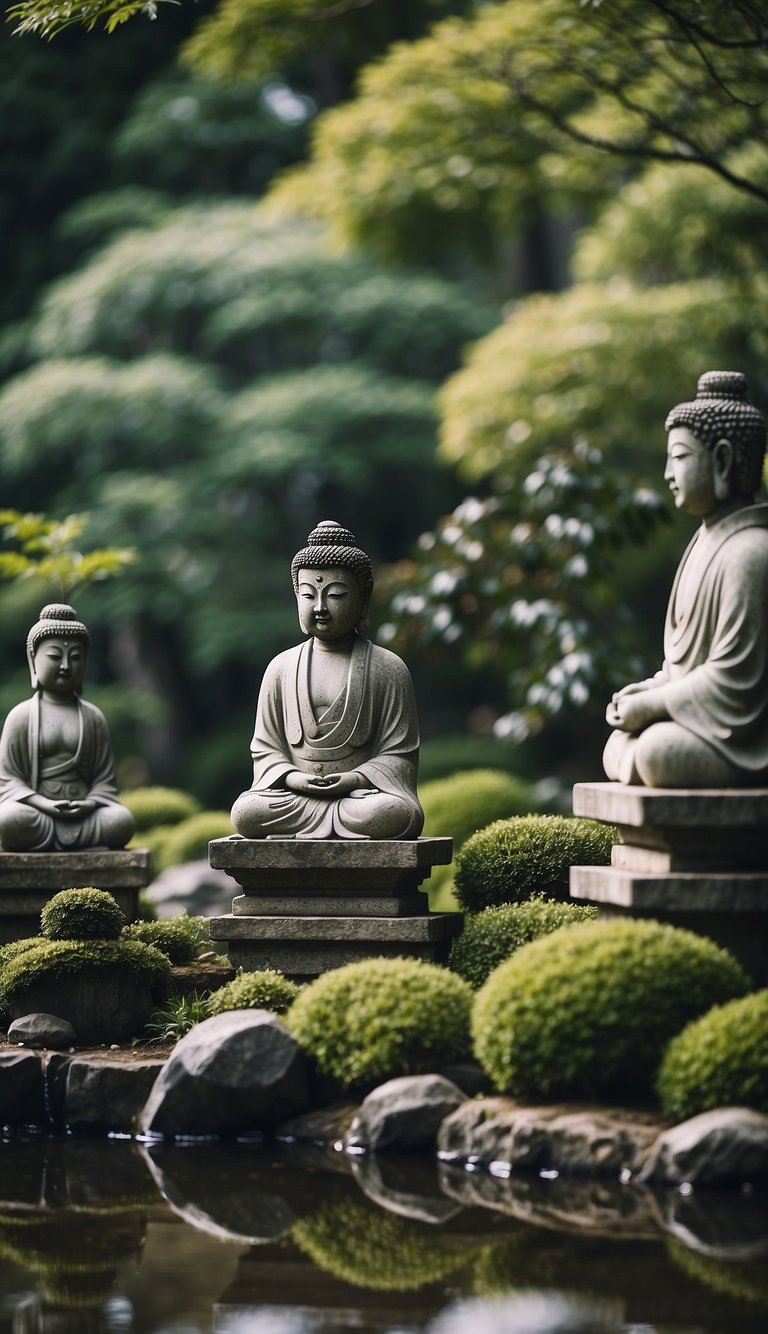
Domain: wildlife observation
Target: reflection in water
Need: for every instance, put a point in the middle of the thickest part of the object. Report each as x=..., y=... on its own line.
x=102, y=1236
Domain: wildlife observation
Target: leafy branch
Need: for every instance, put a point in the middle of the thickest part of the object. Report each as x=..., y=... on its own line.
x=48, y=20
x=48, y=550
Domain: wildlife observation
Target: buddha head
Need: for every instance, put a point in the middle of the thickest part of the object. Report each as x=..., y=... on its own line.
x=716, y=445
x=57, y=648
x=333, y=582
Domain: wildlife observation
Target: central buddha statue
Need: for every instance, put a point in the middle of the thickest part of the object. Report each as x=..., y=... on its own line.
x=702, y=720
x=336, y=743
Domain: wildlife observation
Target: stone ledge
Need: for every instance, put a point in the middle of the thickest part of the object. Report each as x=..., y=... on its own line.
x=100, y=867
x=369, y=930
x=323, y=902
x=679, y=891
x=615, y=803
x=329, y=853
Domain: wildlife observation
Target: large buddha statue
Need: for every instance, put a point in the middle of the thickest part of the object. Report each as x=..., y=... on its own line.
x=57, y=777
x=702, y=720
x=335, y=749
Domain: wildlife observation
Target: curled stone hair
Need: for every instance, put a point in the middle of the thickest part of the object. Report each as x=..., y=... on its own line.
x=56, y=620
x=722, y=410
x=330, y=545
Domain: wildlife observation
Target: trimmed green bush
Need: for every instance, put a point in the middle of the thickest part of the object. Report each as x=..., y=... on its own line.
x=588, y=1011
x=372, y=1020
x=266, y=989
x=511, y=860
x=719, y=1060
x=153, y=806
x=370, y=1248
x=456, y=807
x=189, y=841
x=178, y=938
x=493, y=935
x=81, y=914
x=65, y=958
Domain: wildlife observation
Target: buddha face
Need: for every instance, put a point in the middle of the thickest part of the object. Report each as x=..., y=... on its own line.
x=698, y=477
x=330, y=603
x=60, y=665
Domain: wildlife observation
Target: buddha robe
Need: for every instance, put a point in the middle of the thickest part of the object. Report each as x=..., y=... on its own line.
x=715, y=670
x=371, y=728
x=87, y=773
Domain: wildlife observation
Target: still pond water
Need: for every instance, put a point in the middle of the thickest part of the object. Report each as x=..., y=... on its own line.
x=109, y=1236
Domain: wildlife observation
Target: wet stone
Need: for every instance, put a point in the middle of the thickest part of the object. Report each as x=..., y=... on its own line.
x=43, y=1030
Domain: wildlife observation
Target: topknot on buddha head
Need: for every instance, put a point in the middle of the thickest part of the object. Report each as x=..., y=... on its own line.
x=56, y=621
x=722, y=410
x=331, y=546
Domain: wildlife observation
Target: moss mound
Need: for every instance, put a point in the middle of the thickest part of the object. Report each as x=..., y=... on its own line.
x=511, y=860
x=495, y=934
x=153, y=806
x=588, y=1011
x=456, y=807
x=180, y=939
x=189, y=841
x=370, y=1248
x=719, y=1060
x=81, y=914
x=266, y=989
x=379, y=1018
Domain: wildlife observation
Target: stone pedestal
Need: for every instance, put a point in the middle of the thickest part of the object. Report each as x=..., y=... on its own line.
x=309, y=905
x=29, y=879
x=696, y=858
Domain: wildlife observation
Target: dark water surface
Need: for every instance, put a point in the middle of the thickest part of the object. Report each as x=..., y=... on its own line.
x=107, y=1235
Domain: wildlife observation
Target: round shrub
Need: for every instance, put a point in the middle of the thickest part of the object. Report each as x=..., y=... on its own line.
x=152, y=806
x=178, y=938
x=372, y=1020
x=588, y=1011
x=493, y=935
x=188, y=842
x=456, y=807
x=511, y=860
x=81, y=914
x=266, y=989
x=719, y=1060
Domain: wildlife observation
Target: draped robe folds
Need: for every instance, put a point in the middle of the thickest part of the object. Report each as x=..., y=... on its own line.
x=715, y=671
x=89, y=773
x=371, y=729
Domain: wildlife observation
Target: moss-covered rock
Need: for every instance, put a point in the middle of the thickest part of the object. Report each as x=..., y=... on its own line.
x=718, y=1060
x=588, y=1010
x=493, y=935
x=153, y=806
x=372, y=1020
x=265, y=989
x=180, y=939
x=82, y=914
x=511, y=860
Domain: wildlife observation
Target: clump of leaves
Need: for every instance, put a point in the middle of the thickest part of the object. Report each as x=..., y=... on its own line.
x=179, y=938
x=48, y=549
x=177, y=1016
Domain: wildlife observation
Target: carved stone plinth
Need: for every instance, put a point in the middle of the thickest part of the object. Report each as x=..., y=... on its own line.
x=696, y=858
x=313, y=904
x=29, y=879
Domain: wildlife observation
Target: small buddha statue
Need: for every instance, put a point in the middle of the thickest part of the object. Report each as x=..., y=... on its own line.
x=336, y=743
x=57, y=777
x=702, y=720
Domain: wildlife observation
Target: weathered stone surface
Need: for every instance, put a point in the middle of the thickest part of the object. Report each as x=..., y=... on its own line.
x=21, y=1089
x=97, y=867
x=330, y=903
x=284, y=855
x=102, y=1004
x=42, y=1030
x=618, y=803
x=194, y=888
x=107, y=1095
x=326, y=1126
x=729, y=1144
x=535, y=1139
x=404, y=1113
x=692, y=891
x=233, y=1073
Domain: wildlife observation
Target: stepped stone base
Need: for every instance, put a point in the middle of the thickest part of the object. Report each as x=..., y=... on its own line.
x=695, y=858
x=314, y=904
x=29, y=879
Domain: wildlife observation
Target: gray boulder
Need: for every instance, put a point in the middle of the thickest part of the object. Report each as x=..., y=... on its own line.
x=233, y=1073
x=404, y=1113
x=729, y=1144
x=21, y=1089
x=192, y=887
x=107, y=1095
x=43, y=1030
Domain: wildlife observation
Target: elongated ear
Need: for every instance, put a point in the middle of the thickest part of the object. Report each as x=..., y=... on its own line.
x=722, y=463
